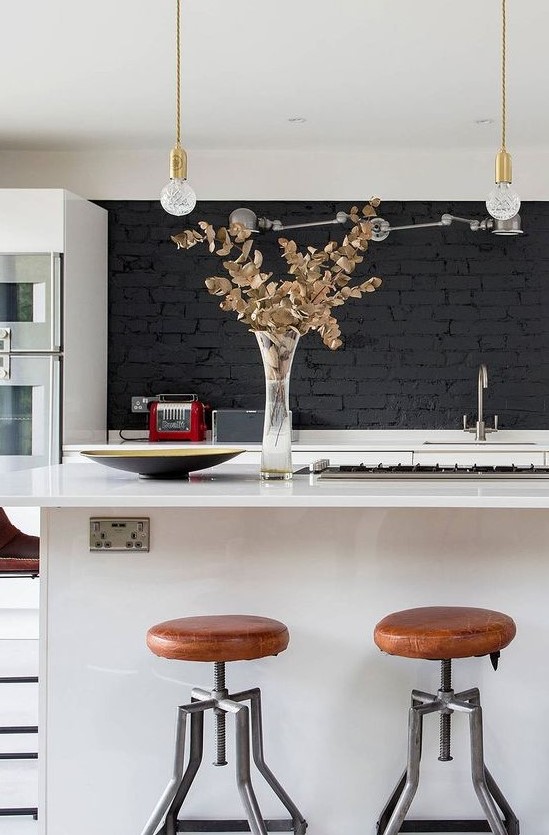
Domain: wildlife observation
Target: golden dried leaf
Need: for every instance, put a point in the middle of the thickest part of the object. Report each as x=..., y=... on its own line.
x=345, y=263
x=210, y=233
x=246, y=247
x=218, y=286
x=186, y=239
x=282, y=316
x=256, y=282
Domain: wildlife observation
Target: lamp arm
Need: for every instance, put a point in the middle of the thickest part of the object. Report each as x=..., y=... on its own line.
x=380, y=228
x=264, y=224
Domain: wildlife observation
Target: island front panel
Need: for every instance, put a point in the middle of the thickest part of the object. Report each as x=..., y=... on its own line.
x=335, y=707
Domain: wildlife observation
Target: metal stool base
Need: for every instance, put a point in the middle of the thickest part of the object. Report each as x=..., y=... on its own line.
x=248, y=728
x=493, y=803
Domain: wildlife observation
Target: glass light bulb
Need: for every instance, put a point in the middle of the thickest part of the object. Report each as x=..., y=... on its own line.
x=503, y=202
x=177, y=197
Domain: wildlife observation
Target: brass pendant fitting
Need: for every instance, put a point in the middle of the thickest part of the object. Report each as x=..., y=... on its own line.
x=178, y=163
x=504, y=171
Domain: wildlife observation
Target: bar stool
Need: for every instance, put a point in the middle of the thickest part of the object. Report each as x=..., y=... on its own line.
x=19, y=567
x=442, y=633
x=220, y=638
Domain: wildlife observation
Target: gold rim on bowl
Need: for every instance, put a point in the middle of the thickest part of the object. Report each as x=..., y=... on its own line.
x=159, y=453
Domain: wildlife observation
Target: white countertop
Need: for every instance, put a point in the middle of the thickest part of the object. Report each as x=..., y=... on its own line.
x=237, y=485
x=365, y=440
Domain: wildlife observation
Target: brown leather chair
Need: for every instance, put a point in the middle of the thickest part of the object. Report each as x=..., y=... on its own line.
x=442, y=633
x=218, y=639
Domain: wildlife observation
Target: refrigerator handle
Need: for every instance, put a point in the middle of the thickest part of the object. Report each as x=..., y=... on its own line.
x=56, y=310
x=5, y=340
x=54, y=454
x=5, y=370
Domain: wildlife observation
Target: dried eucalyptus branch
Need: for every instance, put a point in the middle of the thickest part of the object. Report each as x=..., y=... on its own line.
x=319, y=277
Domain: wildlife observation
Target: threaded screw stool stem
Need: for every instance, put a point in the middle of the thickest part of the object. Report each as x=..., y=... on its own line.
x=445, y=727
x=220, y=691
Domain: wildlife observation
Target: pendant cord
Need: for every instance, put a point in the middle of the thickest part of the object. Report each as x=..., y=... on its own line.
x=178, y=75
x=503, y=72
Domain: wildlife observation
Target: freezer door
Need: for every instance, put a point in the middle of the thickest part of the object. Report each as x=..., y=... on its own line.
x=30, y=302
x=30, y=414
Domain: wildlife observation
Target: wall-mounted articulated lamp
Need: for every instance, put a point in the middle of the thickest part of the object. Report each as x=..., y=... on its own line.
x=381, y=228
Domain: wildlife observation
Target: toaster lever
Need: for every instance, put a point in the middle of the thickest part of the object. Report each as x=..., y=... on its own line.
x=319, y=466
x=175, y=398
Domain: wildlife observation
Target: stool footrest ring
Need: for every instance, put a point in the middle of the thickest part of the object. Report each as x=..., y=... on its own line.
x=445, y=826
x=231, y=826
x=16, y=811
x=19, y=729
x=18, y=679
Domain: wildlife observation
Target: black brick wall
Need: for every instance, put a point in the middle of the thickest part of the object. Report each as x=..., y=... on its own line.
x=450, y=299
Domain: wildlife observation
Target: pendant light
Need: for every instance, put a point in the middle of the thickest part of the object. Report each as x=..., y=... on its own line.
x=503, y=202
x=177, y=197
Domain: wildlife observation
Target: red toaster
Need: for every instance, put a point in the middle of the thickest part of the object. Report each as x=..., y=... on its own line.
x=176, y=417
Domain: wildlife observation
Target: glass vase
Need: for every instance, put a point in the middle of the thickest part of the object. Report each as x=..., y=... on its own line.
x=277, y=353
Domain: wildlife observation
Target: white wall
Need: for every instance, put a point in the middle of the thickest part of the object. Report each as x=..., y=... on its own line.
x=278, y=175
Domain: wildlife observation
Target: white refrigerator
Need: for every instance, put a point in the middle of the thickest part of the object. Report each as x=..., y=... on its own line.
x=31, y=359
x=53, y=313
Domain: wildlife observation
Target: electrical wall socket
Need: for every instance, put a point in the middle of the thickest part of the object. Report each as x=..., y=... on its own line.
x=119, y=534
x=140, y=404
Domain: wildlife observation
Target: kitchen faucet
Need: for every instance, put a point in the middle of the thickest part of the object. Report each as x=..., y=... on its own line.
x=480, y=429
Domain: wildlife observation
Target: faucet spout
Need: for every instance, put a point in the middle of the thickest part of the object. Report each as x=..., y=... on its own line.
x=482, y=384
x=480, y=428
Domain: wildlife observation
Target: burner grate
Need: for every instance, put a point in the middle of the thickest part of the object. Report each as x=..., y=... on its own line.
x=358, y=471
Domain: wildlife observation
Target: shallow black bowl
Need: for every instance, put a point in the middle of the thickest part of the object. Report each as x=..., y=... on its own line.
x=161, y=463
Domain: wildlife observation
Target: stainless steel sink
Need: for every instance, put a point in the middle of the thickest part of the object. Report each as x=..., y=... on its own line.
x=483, y=444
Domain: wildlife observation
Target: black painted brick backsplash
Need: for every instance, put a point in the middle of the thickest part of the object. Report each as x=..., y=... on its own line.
x=450, y=299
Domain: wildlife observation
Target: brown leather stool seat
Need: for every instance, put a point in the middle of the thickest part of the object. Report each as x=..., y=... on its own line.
x=443, y=632
x=218, y=638
x=25, y=565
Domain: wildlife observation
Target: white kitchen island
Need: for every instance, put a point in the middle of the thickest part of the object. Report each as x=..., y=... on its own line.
x=328, y=559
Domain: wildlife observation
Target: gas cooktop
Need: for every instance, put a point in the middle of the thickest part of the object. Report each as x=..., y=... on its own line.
x=360, y=471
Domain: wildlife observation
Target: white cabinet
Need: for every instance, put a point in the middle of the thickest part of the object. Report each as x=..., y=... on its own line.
x=32, y=219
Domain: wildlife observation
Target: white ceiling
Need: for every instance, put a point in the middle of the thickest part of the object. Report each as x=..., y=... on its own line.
x=364, y=74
